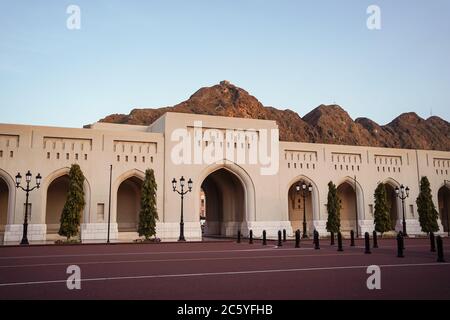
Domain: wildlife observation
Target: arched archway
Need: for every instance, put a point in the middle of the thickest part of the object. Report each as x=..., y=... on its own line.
x=296, y=207
x=128, y=204
x=229, y=228
x=347, y=194
x=7, y=200
x=4, y=203
x=393, y=202
x=352, y=200
x=444, y=206
x=126, y=193
x=224, y=196
x=56, y=198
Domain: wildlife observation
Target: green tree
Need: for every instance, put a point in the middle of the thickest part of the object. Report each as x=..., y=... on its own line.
x=148, y=214
x=427, y=211
x=333, y=209
x=74, y=206
x=382, y=215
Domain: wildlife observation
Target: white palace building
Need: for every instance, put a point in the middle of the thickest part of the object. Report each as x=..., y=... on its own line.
x=247, y=183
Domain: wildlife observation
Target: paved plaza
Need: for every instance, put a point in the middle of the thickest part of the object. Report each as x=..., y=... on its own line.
x=224, y=270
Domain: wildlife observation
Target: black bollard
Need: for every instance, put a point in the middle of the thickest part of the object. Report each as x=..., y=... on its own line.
x=432, y=242
x=367, y=243
x=264, y=238
x=403, y=239
x=332, y=238
x=279, y=239
x=250, y=237
x=284, y=235
x=440, y=249
x=339, y=236
x=352, y=238
x=317, y=243
x=297, y=239
x=314, y=237
x=375, y=239
x=400, y=246
x=239, y=236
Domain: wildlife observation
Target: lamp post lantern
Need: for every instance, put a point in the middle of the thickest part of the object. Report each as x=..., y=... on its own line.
x=403, y=193
x=305, y=190
x=181, y=192
x=27, y=189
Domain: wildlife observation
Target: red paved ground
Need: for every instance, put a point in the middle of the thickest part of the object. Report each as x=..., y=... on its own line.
x=223, y=270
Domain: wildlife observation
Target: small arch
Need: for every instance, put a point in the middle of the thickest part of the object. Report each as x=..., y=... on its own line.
x=133, y=173
x=48, y=180
x=443, y=197
x=312, y=204
x=315, y=193
x=358, y=197
x=391, y=181
x=11, y=198
x=56, y=197
x=394, y=203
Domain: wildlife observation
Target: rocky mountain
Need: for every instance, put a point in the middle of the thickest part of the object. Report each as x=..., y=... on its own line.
x=324, y=124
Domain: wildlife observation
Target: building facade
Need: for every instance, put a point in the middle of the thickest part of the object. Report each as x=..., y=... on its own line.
x=232, y=192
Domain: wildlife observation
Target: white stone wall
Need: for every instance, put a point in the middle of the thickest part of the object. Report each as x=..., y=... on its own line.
x=132, y=149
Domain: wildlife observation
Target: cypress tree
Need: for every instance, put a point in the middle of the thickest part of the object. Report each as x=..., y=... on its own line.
x=382, y=215
x=428, y=214
x=148, y=214
x=333, y=209
x=71, y=214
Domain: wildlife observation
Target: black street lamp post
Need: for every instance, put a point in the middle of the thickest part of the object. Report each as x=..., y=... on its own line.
x=109, y=204
x=181, y=193
x=28, y=176
x=403, y=193
x=306, y=189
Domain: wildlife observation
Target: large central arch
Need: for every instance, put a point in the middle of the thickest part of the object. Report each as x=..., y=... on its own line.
x=229, y=199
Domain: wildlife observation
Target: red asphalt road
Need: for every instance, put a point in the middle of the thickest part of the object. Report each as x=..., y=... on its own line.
x=223, y=270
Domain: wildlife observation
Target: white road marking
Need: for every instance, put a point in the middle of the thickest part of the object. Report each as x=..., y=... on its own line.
x=268, y=248
x=186, y=275
x=147, y=253
x=177, y=260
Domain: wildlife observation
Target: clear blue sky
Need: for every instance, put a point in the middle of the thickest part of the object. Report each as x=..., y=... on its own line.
x=289, y=54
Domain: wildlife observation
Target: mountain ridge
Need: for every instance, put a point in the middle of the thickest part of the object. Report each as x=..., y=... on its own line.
x=324, y=124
